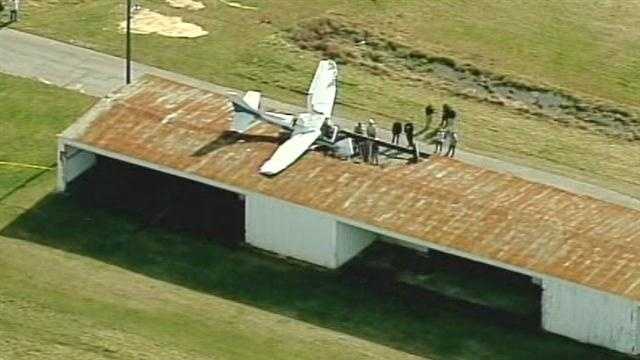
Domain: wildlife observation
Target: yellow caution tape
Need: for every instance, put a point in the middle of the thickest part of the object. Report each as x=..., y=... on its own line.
x=29, y=166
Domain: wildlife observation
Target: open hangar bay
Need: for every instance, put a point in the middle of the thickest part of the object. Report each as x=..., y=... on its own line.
x=582, y=251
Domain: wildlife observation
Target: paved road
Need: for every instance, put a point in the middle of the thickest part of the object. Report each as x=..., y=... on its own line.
x=98, y=74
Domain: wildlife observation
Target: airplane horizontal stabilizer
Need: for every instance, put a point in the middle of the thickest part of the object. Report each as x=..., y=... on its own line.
x=243, y=121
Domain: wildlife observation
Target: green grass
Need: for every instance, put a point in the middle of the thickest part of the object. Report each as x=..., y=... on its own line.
x=55, y=305
x=32, y=113
x=566, y=44
x=80, y=282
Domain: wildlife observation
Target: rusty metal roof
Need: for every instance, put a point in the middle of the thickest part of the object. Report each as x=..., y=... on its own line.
x=488, y=215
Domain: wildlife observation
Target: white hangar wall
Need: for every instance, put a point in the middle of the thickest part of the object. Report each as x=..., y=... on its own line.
x=72, y=162
x=591, y=316
x=350, y=241
x=300, y=233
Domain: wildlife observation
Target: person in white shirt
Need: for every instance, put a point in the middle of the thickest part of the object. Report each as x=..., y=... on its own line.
x=441, y=136
x=453, y=142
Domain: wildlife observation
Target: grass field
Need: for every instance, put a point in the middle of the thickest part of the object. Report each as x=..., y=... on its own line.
x=586, y=50
x=50, y=111
x=80, y=282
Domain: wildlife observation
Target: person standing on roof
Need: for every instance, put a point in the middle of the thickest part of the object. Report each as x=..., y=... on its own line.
x=453, y=142
x=371, y=134
x=371, y=129
x=408, y=132
x=374, y=153
x=441, y=136
x=360, y=144
x=14, y=6
x=396, y=131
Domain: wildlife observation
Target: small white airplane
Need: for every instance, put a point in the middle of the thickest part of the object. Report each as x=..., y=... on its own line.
x=307, y=129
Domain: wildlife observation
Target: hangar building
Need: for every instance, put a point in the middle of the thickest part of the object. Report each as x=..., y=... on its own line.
x=585, y=253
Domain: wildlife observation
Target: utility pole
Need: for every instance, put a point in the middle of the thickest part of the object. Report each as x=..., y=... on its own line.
x=128, y=60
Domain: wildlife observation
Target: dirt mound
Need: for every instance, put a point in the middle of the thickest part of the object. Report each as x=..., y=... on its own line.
x=188, y=4
x=352, y=44
x=146, y=21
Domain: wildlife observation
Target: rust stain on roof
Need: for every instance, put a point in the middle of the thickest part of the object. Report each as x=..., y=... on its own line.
x=486, y=214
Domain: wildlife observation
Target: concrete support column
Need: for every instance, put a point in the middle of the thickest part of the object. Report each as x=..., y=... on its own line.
x=301, y=233
x=350, y=241
x=72, y=162
x=591, y=316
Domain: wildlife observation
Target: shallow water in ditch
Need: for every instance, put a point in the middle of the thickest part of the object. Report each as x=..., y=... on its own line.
x=351, y=45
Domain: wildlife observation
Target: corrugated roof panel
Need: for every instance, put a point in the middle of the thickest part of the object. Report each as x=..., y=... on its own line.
x=483, y=213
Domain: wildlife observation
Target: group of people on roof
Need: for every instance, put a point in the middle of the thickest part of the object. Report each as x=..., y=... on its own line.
x=445, y=135
x=368, y=149
x=397, y=129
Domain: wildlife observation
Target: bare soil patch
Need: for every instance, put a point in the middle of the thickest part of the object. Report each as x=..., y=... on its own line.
x=147, y=21
x=350, y=43
x=188, y=4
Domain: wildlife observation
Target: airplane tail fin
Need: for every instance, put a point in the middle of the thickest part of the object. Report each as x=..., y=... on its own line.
x=253, y=99
x=244, y=120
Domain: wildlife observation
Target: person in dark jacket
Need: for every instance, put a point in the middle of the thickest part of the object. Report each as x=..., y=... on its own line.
x=361, y=145
x=396, y=131
x=408, y=132
x=372, y=132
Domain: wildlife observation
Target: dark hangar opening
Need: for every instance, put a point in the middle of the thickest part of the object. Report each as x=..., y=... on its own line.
x=479, y=290
x=162, y=200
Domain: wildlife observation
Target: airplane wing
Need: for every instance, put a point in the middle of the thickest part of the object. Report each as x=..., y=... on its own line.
x=322, y=92
x=289, y=152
